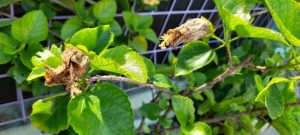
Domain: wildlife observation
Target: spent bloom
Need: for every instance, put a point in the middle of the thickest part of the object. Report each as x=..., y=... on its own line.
x=191, y=30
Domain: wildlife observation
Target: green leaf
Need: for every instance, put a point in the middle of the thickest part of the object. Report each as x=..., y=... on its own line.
x=4, y=58
x=162, y=80
x=50, y=114
x=273, y=81
x=115, y=28
x=274, y=103
x=31, y=28
x=105, y=10
x=184, y=110
x=236, y=16
x=95, y=39
x=150, y=110
x=150, y=67
x=7, y=2
x=150, y=35
x=8, y=44
x=258, y=32
x=285, y=14
x=26, y=55
x=138, y=43
x=70, y=27
x=5, y=23
x=122, y=60
x=136, y=22
x=36, y=73
x=115, y=109
x=51, y=58
x=200, y=128
x=258, y=82
x=193, y=56
x=210, y=95
x=84, y=114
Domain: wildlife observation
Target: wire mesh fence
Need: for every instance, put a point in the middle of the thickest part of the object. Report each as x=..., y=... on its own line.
x=170, y=14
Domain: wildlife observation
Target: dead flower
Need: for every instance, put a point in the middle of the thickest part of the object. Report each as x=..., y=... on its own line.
x=74, y=65
x=191, y=30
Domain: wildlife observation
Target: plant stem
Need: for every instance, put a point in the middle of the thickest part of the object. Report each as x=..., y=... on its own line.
x=217, y=38
x=124, y=79
x=230, y=71
x=219, y=47
x=256, y=111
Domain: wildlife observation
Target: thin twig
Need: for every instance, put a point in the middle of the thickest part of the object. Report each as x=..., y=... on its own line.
x=230, y=71
x=126, y=80
x=256, y=111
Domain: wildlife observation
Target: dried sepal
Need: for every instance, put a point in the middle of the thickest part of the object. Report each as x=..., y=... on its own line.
x=74, y=65
x=191, y=30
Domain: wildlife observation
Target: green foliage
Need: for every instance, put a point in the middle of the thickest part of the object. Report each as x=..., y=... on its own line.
x=84, y=113
x=31, y=28
x=94, y=39
x=193, y=56
x=121, y=60
x=232, y=95
x=286, y=21
x=50, y=114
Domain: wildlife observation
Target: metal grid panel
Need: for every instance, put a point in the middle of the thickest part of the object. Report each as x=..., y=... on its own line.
x=203, y=7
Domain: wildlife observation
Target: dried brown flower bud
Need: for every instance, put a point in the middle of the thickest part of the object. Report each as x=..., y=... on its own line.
x=74, y=65
x=191, y=30
x=151, y=2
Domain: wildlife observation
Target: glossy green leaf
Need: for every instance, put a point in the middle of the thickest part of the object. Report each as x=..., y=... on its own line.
x=273, y=81
x=122, y=60
x=258, y=82
x=200, y=128
x=70, y=27
x=105, y=10
x=115, y=28
x=36, y=73
x=95, y=39
x=50, y=114
x=150, y=111
x=4, y=58
x=193, y=56
x=31, y=28
x=8, y=44
x=84, y=114
x=274, y=103
x=285, y=14
x=162, y=80
x=150, y=67
x=236, y=16
x=149, y=34
x=184, y=110
x=51, y=58
x=27, y=53
x=115, y=109
x=138, y=43
x=259, y=32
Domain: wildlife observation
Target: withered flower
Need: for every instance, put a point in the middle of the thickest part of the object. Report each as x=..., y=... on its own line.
x=191, y=30
x=74, y=65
